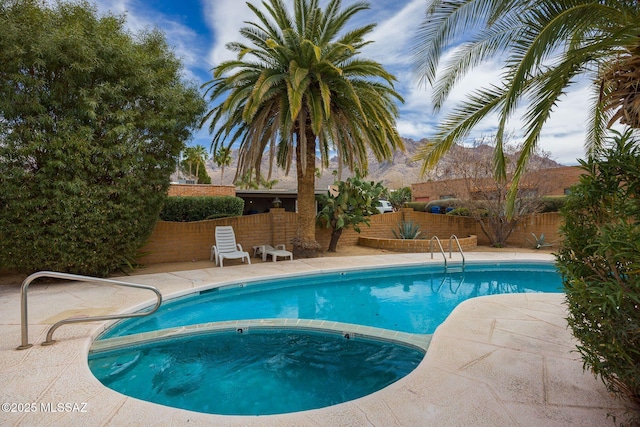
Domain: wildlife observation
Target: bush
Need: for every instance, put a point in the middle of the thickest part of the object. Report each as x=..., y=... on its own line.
x=444, y=204
x=188, y=209
x=417, y=206
x=92, y=119
x=552, y=203
x=600, y=263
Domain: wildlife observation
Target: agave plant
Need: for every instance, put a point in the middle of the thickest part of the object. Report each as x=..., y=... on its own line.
x=539, y=242
x=407, y=230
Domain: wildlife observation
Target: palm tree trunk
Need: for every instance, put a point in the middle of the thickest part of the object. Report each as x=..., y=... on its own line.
x=305, y=244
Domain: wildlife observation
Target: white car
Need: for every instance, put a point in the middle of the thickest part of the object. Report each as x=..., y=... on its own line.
x=384, y=206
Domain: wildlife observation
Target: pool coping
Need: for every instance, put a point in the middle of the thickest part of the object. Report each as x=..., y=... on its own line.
x=347, y=330
x=498, y=360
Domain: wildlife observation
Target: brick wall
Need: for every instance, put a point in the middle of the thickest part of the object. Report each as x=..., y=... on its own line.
x=185, y=190
x=546, y=223
x=192, y=241
x=417, y=245
x=555, y=182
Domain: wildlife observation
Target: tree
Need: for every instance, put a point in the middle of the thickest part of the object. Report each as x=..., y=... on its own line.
x=222, y=158
x=483, y=197
x=197, y=156
x=547, y=46
x=300, y=87
x=399, y=197
x=600, y=263
x=355, y=202
x=247, y=181
x=92, y=119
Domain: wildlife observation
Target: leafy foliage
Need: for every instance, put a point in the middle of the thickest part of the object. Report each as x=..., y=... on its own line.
x=407, y=230
x=298, y=87
x=546, y=47
x=417, y=206
x=187, y=209
x=600, y=263
x=222, y=158
x=552, y=203
x=195, y=158
x=399, y=197
x=486, y=198
x=354, y=202
x=92, y=119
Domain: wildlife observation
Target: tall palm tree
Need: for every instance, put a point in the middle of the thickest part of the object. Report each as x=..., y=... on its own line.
x=197, y=156
x=546, y=46
x=300, y=87
x=222, y=157
x=201, y=155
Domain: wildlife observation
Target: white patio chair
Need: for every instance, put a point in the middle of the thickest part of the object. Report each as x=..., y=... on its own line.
x=226, y=246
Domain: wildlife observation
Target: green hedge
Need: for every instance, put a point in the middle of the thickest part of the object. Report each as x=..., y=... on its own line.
x=416, y=206
x=92, y=119
x=553, y=203
x=188, y=209
x=600, y=264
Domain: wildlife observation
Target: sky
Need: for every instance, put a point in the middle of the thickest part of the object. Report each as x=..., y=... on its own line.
x=198, y=31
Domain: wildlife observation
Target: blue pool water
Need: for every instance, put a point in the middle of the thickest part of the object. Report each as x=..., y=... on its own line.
x=414, y=300
x=276, y=371
x=258, y=373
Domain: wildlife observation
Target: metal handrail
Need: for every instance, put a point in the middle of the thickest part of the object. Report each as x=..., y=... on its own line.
x=49, y=340
x=454, y=237
x=441, y=250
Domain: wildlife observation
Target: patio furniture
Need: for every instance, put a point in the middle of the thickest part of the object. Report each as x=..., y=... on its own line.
x=278, y=251
x=226, y=246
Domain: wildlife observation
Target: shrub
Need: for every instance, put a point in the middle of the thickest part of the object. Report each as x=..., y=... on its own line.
x=600, y=263
x=552, y=203
x=444, y=204
x=92, y=118
x=399, y=197
x=188, y=209
x=417, y=206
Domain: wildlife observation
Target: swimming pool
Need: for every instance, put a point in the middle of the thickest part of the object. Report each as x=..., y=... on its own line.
x=407, y=299
x=393, y=302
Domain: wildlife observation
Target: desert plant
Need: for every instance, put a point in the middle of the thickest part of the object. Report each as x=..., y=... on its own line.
x=539, y=242
x=600, y=263
x=408, y=230
x=354, y=203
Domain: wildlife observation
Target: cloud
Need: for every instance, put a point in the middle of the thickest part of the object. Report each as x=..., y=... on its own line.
x=394, y=35
x=185, y=42
x=225, y=19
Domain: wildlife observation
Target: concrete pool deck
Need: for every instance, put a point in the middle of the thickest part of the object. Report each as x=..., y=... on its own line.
x=503, y=360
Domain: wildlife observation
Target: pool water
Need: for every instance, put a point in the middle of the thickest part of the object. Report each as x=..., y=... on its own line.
x=258, y=373
x=276, y=371
x=414, y=300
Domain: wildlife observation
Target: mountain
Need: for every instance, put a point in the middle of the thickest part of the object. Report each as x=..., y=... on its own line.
x=397, y=172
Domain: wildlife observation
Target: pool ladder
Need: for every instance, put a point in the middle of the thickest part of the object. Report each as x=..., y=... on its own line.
x=51, y=274
x=452, y=239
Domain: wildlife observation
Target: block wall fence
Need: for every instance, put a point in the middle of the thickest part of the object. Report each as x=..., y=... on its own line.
x=192, y=241
x=185, y=190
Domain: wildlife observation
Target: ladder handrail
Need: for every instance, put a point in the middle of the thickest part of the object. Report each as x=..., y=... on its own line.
x=455, y=238
x=52, y=274
x=441, y=250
